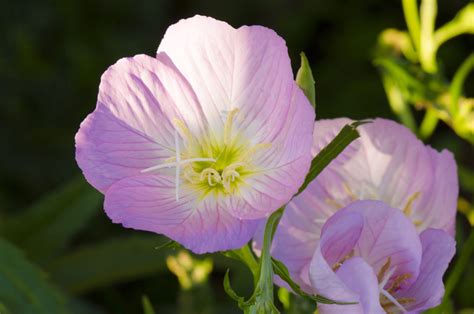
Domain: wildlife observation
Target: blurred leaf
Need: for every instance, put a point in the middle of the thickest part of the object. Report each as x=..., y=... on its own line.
x=462, y=23
x=398, y=104
x=347, y=134
x=109, y=262
x=47, y=226
x=466, y=178
x=429, y=123
x=305, y=80
x=459, y=77
x=23, y=287
x=467, y=209
x=147, y=307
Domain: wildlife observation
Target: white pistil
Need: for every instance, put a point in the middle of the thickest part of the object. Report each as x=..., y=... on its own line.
x=177, y=164
x=385, y=292
x=173, y=164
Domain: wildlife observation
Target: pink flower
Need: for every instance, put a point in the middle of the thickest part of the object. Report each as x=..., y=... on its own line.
x=201, y=141
x=386, y=163
x=372, y=254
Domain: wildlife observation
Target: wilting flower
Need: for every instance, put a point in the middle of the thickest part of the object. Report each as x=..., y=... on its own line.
x=372, y=254
x=212, y=131
x=386, y=163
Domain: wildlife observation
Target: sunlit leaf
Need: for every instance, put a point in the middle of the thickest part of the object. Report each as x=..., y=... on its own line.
x=305, y=80
x=347, y=134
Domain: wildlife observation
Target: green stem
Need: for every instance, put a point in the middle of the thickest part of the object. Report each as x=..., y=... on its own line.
x=398, y=104
x=461, y=24
x=429, y=123
x=458, y=81
x=427, y=53
x=412, y=19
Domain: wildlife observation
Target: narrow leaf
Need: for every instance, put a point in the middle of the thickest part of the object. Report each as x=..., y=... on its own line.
x=47, y=226
x=147, y=307
x=24, y=287
x=112, y=261
x=230, y=292
x=331, y=151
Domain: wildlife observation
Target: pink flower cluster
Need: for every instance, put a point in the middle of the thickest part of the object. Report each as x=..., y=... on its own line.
x=205, y=140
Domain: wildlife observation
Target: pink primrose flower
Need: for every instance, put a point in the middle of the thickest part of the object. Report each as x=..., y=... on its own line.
x=204, y=139
x=372, y=254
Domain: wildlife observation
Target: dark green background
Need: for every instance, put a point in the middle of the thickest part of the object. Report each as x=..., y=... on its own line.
x=52, y=54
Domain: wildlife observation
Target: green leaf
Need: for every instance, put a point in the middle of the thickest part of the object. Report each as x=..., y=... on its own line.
x=245, y=255
x=112, y=261
x=230, y=292
x=305, y=80
x=47, y=226
x=331, y=151
x=24, y=287
x=147, y=307
x=456, y=86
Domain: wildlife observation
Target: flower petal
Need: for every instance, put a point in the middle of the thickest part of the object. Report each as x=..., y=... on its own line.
x=147, y=202
x=360, y=278
x=282, y=167
x=439, y=210
x=246, y=68
x=387, y=234
x=131, y=128
x=428, y=289
x=340, y=235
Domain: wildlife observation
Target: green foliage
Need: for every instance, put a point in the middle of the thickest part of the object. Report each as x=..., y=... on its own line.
x=46, y=228
x=108, y=262
x=147, y=307
x=346, y=136
x=305, y=80
x=24, y=287
x=412, y=76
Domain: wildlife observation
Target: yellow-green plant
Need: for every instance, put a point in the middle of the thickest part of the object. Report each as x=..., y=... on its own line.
x=412, y=76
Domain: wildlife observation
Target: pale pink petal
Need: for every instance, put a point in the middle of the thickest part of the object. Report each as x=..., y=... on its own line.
x=338, y=240
x=282, y=167
x=428, y=289
x=131, y=128
x=360, y=278
x=147, y=202
x=387, y=234
x=439, y=210
x=246, y=68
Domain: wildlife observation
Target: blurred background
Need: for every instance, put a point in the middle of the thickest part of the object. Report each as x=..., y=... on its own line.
x=52, y=54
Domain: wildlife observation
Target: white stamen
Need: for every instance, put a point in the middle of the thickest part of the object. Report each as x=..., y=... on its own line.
x=393, y=300
x=178, y=163
x=386, y=278
x=385, y=292
x=173, y=164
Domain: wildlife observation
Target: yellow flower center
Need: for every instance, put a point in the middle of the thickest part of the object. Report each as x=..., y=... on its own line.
x=211, y=163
